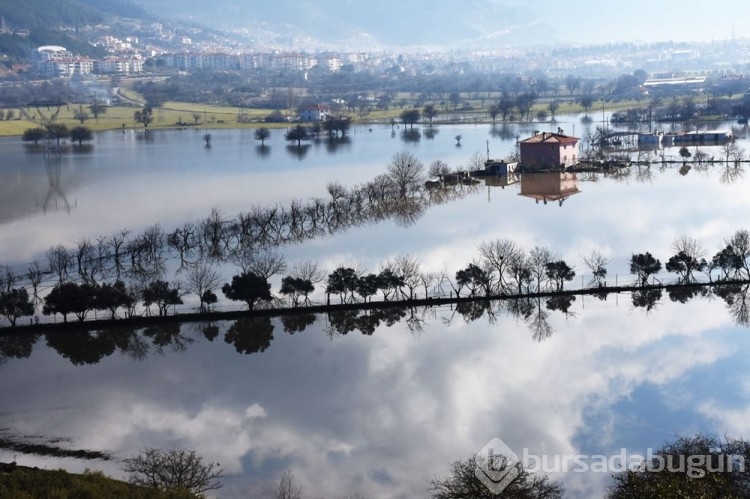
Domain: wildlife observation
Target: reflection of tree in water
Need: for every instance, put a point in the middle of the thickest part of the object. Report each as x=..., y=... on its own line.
x=366, y=322
x=411, y=135
x=129, y=341
x=472, y=310
x=299, y=151
x=296, y=323
x=643, y=174
x=732, y=173
x=341, y=322
x=81, y=347
x=209, y=330
x=504, y=131
x=561, y=304
x=250, y=335
x=262, y=151
x=430, y=132
x=55, y=193
x=406, y=211
x=534, y=311
x=16, y=346
x=736, y=298
x=167, y=335
x=646, y=298
x=333, y=144
x=685, y=294
x=539, y=321
x=219, y=238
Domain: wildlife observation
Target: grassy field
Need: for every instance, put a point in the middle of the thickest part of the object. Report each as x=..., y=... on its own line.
x=167, y=116
x=177, y=114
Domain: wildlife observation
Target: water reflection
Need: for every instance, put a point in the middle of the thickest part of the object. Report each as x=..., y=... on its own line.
x=299, y=152
x=255, y=334
x=411, y=136
x=250, y=335
x=549, y=186
x=504, y=131
x=335, y=144
x=360, y=398
x=55, y=193
x=431, y=132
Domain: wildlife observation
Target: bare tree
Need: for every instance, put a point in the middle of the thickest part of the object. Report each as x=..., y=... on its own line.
x=739, y=244
x=539, y=257
x=519, y=269
x=406, y=172
x=200, y=279
x=689, y=245
x=476, y=161
x=35, y=278
x=7, y=279
x=409, y=269
x=263, y=263
x=498, y=255
x=173, y=470
x=118, y=245
x=438, y=169
x=59, y=261
x=212, y=235
x=463, y=481
x=85, y=255
x=597, y=264
x=183, y=239
x=308, y=271
x=287, y=488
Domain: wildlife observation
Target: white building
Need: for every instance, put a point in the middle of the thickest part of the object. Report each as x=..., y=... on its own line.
x=316, y=112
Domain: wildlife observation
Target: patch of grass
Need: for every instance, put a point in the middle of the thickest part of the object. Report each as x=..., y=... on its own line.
x=20, y=482
x=166, y=116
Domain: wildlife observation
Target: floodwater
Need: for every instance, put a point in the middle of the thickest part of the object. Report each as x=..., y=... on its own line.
x=377, y=414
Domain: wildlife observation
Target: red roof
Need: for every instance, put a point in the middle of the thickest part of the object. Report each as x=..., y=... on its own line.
x=548, y=137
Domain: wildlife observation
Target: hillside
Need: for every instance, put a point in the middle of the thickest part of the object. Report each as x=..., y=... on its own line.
x=23, y=482
x=48, y=14
x=44, y=18
x=387, y=23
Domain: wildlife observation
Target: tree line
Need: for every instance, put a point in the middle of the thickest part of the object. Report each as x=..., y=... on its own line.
x=126, y=271
x=502, y=268
x=247, y=241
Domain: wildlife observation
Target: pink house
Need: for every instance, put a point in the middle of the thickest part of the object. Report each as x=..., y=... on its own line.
x=549, y=150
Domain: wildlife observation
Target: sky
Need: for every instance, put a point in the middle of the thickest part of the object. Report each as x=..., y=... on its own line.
x=452, y=22
x=595, y=22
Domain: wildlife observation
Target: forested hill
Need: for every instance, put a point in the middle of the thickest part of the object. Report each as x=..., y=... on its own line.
x=43, y=18
x=46, y=14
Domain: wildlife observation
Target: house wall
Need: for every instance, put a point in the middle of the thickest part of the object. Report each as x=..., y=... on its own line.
x=549, y=154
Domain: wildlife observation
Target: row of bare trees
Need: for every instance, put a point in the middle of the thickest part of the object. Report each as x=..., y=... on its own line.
x=399, y=194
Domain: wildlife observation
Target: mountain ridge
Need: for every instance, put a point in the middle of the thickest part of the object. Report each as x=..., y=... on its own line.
x=328, y=24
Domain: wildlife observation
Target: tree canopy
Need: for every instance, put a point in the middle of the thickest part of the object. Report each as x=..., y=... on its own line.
x=248, y=287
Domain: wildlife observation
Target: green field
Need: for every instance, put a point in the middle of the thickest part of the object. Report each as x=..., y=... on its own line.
x=167, y=116
x=180, y=114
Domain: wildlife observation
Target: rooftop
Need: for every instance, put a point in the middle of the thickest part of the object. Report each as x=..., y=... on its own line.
x=549, y=137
